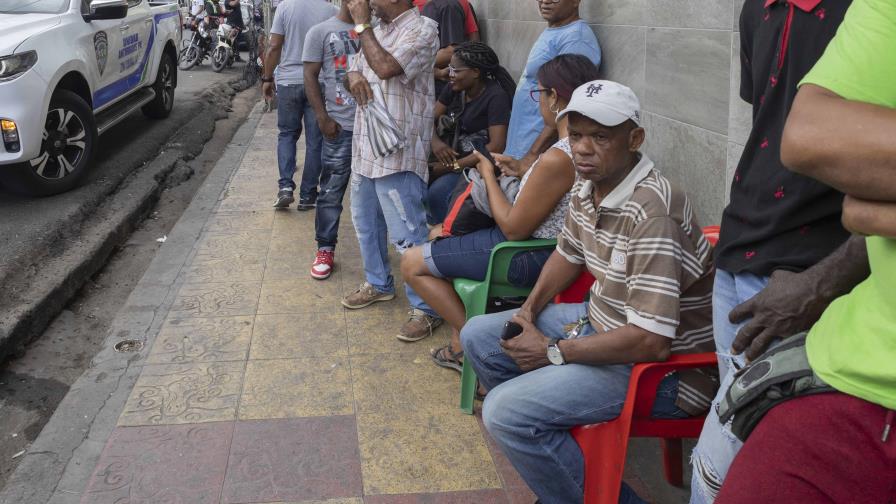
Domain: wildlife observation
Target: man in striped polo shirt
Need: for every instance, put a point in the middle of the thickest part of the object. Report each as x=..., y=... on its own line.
x=652, y=297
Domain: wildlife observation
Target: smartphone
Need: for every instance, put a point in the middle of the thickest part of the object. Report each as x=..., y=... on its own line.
x=511, y=330
x=479, y=146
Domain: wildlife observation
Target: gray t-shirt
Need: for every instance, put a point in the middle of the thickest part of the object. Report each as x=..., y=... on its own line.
x=293, y=20
x=335, y=44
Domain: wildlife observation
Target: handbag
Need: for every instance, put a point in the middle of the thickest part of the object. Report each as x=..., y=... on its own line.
x=463, y=216
x=382, y=132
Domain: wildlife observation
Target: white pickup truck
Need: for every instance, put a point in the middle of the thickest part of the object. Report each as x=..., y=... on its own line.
x=72, y=69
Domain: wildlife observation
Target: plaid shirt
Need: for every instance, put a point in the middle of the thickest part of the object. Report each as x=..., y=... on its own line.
x=652, y=267
x=413, y=41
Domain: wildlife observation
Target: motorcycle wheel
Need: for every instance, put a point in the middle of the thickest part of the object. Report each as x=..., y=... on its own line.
x=190, y=57
x=219, y=59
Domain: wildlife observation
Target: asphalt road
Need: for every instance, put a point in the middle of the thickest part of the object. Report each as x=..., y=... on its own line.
x=25, y=221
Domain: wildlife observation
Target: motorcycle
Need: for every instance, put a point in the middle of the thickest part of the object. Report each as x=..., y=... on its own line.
x=223, y=55
x=200, y=45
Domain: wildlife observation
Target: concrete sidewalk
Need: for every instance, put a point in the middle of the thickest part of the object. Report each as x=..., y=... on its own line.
x=256, y=386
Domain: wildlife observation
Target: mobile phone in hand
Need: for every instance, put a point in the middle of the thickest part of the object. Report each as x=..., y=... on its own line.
x=511, y=330
x=480, y=147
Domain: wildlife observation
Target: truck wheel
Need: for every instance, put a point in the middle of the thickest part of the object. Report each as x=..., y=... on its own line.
x=160, y=107
x=66, y=151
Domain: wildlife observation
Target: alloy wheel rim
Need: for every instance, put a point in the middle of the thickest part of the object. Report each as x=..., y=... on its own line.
x=63, y=146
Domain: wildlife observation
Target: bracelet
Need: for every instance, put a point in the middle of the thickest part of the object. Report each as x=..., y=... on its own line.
x=267, y=79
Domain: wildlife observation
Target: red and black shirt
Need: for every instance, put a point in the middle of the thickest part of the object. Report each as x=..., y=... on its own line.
x=777, y=219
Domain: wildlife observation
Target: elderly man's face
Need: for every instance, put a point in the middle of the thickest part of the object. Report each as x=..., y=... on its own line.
x=553, y=11
x=602, y=153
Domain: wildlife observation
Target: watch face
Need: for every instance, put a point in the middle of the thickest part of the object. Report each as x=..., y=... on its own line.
x=555, y=356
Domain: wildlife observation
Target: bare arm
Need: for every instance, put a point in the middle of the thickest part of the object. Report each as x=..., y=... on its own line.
x=845, y=144
x=792, y=302
x=272, y=57
x=380, y=61
x=542, y=143
x=869, y=217
x=312, y=88
x=553, y=178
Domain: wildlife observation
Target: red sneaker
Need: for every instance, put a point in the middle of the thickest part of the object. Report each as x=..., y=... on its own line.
x=323, y=265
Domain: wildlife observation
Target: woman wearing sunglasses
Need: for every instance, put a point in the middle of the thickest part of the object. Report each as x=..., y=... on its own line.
x=538, y=211
x=475, y=104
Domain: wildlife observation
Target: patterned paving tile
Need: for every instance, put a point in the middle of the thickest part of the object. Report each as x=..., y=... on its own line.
x=289, y=388
x=254, y=242
x=433, y=447
x=237, y=268
x=297, y=264
x=149, y=465
x=202, y=340
x=351, y=500
x=300, y=295
x=293, y=460
x=520, y=495
x=216, y=300
x=302, y=335
x=477, y=496
x=231, y=222
x=184, y=393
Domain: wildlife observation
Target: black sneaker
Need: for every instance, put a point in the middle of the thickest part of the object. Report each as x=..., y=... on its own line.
x=284, y=199
x=307, y=203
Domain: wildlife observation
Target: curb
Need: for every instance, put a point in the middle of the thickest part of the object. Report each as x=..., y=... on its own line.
x=58, y=464
x=62, y=276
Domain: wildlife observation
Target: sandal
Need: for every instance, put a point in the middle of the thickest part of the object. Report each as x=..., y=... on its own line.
x=445, y=358
x=479, y=396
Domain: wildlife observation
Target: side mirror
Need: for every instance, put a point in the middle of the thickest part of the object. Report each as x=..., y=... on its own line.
x=107, y=9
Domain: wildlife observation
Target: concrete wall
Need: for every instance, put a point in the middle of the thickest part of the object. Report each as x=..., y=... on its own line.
x=681, y=57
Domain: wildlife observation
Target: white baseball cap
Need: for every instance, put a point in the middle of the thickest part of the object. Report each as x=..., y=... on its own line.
x=607, y=102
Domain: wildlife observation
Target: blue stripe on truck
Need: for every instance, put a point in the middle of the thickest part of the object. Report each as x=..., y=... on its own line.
x=129, y=82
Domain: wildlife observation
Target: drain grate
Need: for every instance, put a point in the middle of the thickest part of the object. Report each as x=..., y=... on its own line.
x=130, y=345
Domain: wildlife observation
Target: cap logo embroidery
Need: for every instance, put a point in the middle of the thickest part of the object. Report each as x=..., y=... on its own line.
x=593, y=90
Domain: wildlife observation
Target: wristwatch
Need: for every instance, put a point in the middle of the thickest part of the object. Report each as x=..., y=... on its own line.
x=359, y=28
x=267, y=79
x=554, y=353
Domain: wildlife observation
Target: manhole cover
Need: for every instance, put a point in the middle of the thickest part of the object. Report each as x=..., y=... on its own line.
x=130, y=345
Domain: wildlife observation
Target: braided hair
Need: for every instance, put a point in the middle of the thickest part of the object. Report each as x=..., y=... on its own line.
x=481, y=57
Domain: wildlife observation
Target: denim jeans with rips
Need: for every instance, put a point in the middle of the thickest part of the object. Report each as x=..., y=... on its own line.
x=717, y=446
x=335, y=173
x=293, y=109
x=529, y=414
x=389, y=208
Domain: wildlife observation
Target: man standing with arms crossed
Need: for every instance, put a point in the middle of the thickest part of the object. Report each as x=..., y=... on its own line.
x=291, y=24
x=388, y=192
x=331, y=47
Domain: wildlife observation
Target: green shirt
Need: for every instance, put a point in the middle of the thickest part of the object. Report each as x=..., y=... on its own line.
x=853, y=346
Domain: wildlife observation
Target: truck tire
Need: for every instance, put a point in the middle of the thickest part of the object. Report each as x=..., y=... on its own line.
x=160, y=107
x=65, y=153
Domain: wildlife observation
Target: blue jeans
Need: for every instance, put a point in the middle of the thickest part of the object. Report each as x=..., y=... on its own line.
x=529, y=414
x=337, y=169
x=389, y=207
x=438, y=197
x=717, y=446
x=292, y=109
x=468, y=256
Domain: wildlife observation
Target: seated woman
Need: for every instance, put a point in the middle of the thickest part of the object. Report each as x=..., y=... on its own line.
x=479, y=96
x=538, y=212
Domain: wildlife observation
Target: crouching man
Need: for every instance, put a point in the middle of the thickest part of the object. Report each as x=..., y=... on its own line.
x=570, y=365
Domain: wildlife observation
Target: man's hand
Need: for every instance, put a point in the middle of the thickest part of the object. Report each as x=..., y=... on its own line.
x=360, y=11
x=267, y=90
x=529, y=349
x=329, y=127
x=789, y=304
x=510, y=166
x=443, y=152
x=359, y=88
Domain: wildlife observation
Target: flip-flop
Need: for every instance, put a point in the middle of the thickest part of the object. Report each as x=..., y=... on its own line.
x=451, y=361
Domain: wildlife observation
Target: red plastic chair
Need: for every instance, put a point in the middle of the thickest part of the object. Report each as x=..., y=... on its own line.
x=605, y=445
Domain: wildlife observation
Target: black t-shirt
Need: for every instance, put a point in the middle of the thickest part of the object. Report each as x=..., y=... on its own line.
x=235, y=16
x=777, y=219
x=452, y=22
x=491, y=108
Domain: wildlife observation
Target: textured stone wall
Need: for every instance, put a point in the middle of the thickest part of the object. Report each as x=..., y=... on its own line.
x=681, y=57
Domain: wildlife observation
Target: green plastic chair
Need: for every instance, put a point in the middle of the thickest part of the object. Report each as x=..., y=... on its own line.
x=475, y=296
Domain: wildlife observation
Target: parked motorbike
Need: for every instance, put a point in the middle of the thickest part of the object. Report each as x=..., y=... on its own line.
x=223, y=55
x=200, y=44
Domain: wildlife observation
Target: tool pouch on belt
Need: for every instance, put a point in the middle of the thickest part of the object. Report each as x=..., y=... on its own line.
x=780, y=374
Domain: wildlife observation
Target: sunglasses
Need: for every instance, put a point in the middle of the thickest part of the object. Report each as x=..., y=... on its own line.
x=534, y=93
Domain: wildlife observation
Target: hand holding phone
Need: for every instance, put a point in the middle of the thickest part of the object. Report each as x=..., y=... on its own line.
x=511, y=330
x=480, y=147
